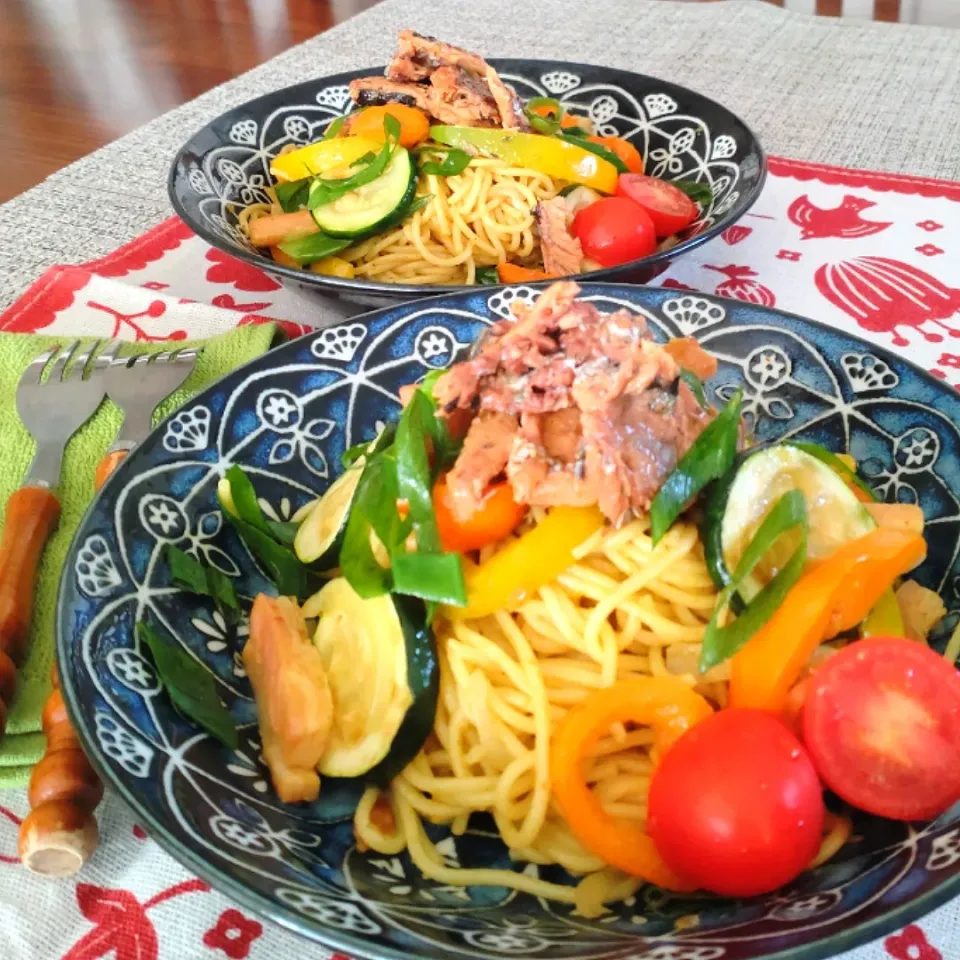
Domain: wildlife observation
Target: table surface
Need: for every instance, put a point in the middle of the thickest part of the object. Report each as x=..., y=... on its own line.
x=855, y=93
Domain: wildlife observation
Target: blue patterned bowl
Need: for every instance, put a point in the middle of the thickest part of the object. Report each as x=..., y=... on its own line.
x=681, y=134
x=286, y=418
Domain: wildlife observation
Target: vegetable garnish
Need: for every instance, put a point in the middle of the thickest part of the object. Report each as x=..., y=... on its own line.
x=514, y=273
x=497, y=517
x=598, y=149
x=334, y=128
x=195, y=577
x=671, y=708
x=487, y=276
x=834, y=595
x=413, y=125
x=238, y=501
x=520, y=568
x=324, y=191
x=699, y=192
x=710, y=457
x=736, y=805
x=430, y=576
x=189, y=684
x=696, y=387
x=881, y=721
x=313, y=247
x=454, y=161
x=563, y=159
x=399, y=468
x=720, y=643
x=545, y=115
x=292, y=196
x=838, y=466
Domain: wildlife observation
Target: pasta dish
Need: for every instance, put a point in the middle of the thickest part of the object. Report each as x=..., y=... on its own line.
x=443, y=176
x=566, y=592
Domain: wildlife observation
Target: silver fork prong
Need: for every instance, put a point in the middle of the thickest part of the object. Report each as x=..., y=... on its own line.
x=162, y=357
x=189, y=355
x=60, y=364
x=79, y=369
x=34, y=373
x=140, y=359
x=106, y=357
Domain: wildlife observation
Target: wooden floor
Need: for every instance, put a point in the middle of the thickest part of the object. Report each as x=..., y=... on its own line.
x=76, y=74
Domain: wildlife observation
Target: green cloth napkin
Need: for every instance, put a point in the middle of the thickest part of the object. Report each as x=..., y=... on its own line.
x=24, y=743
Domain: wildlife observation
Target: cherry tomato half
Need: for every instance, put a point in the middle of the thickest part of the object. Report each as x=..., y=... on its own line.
x=614, y=231
x=498, y=516
x=735, y=806
x=668, y=206
x=882, y=722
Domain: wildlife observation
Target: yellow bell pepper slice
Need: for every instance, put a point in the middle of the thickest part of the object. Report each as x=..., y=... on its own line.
x=885, y=619
x=517, y=571
x=323, y=158
x=334, y=267
x=555, y=158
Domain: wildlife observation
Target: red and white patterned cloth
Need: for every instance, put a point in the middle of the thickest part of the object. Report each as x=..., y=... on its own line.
x=874, y=254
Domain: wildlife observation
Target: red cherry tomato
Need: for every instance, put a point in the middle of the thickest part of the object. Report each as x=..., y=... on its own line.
x=882, y=722
x=614, y=231
x=735, y=806
x=668, y=206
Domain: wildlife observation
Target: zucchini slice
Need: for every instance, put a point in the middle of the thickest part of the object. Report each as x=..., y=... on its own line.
x=368, y=648
x=740, y=501
x=320, y=535
x=370, y=207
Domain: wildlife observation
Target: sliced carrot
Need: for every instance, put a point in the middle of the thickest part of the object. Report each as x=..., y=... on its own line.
x=624, y=149
x=275, y=228
x=368, y=123
x=284, y=259
x=514, y=273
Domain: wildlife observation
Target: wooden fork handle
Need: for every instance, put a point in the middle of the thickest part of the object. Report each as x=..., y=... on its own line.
x=60, y=832
x=107, y=465
x=30, y=516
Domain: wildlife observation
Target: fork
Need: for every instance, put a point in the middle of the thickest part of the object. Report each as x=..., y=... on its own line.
x=138, y=385
x=60, y=832
x=52, y=410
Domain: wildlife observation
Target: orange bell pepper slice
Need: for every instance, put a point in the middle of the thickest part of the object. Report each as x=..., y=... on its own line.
x=667, y=704
x=834, y=596
x=496, y=518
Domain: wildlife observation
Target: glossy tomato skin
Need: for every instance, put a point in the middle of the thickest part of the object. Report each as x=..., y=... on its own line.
x=881, y=720
x=614, y=231
x=736, y=806
x=668, y=206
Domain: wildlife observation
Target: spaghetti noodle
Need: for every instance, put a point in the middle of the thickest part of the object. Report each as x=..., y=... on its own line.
x=478, y=218
x=507, y=680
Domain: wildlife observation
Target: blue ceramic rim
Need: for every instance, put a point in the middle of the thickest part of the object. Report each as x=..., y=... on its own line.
x=359, y=948
x=343, y=285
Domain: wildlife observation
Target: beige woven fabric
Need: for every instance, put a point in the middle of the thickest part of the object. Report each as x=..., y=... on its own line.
x=858, y=94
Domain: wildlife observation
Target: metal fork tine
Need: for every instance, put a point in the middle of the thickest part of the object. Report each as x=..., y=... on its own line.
x=107, y=356
x=34, y=372
x=161, y=357
x=140, y=359
x=186, y=356
x=56, y=371
x=79, y=369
